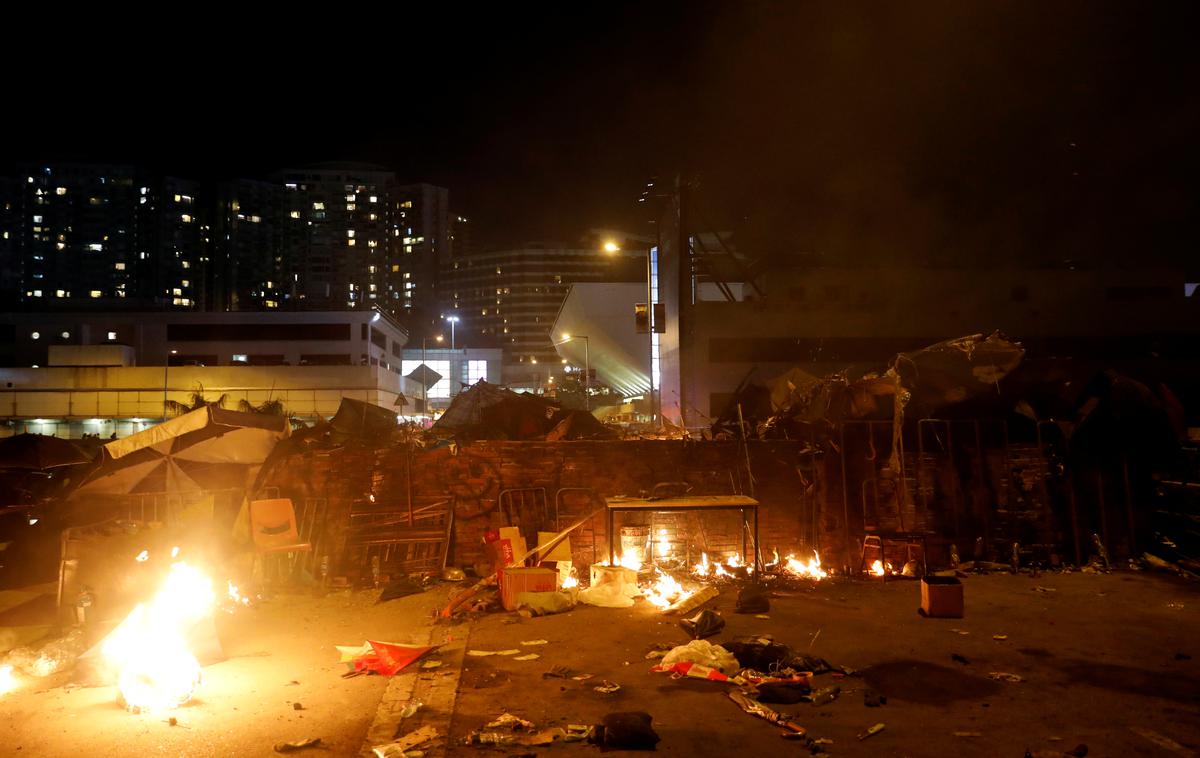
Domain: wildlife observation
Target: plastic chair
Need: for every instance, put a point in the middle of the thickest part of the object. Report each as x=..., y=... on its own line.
x=273, y=527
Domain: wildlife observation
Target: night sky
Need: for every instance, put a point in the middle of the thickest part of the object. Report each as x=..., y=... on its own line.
x=918, y=131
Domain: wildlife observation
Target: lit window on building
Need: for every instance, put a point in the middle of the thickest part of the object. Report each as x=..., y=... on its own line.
x=119, y=266
x=177, y=292
x=35, y=335
x=66, y=335
x=95, y=246
x=350, y=242
x=95, y=293
x=239, y=358
x=351, y=206
x=476, y=372
x=349, y=198
x=60, y=293
x=60, y=190
x=185, y=218
x=374, y=199
x=372, y=243
x=182, y=264
x=294, y=214
x=60, y=246
x=318, y=206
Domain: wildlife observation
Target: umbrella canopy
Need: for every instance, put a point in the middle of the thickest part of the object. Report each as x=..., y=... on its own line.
x=208, y=448
x=39, y=451
x=357, y=418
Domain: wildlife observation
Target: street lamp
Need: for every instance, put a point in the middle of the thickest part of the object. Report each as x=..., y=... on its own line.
x=587, y=367
x=453, y=320
x=612, y=248
x=425, y=376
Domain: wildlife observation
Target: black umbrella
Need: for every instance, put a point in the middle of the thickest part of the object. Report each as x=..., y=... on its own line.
x=39, y=451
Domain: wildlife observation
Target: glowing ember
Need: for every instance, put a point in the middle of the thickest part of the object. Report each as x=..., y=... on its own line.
x=8, y=682
x=157, y=671
x=570, y=582
x=734, y=561
x=703, y=568
x=812, y=569
x=143, y=556
x=665, y=591
x=719, y=570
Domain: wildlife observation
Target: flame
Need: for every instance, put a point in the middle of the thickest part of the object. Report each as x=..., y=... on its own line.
x=812, y=569
x=8, y=682
x=734, y=561
x=143, y=556
x=703, y=567
x=630, y=561
x=665, y=591
x=570, y=582
x=157, y=671
x=719, y=570
x=236, y=596
x=664, y=545
x=878, y=568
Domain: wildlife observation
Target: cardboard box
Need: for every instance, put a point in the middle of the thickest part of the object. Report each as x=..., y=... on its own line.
x=941, y=597
x=561, y=551
x=517, y=579
x=504, y=545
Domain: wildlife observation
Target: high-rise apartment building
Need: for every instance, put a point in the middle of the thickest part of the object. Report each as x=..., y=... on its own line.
x=425, y=247
x=107, y=236
x=512, y=296
x=248, y=256
x=340, y=237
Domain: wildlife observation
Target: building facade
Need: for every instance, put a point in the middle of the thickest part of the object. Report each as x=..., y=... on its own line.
x=512, y=296
x=75, y=373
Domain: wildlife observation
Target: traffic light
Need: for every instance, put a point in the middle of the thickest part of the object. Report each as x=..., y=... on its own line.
x=641, y=318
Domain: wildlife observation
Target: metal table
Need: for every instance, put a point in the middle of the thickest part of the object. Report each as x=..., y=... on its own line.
x=739, y=503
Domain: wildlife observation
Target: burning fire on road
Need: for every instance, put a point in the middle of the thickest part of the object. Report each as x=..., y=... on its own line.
x=149, y=649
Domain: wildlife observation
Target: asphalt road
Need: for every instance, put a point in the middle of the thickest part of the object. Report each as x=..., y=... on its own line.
x=1096, y=654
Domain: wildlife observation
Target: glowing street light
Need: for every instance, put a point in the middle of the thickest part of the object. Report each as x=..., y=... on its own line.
x=453, y=320
x=611, y=247
x=587, y=366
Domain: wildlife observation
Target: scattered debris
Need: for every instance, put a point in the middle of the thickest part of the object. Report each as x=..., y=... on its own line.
x=530, y=657
x=1002, y=676
x=1000, y=637
x=784, y=692
x=963, y=632
x=872, y=731
x=755, y=708
x=959, y=659
x=753, y=598
x=696, y=671
x=826, y=695
x=694, y=601
x=384, y=658
x=583, y=677
x=431, y=664
x=625, y=731
x=297, y=707
x=967, y=734
x=762, y=616
x=531, y=643
x=408, y=742
x=706, y=623
x=606, y=687
x=410, y=709
x=705, y=654
x=509, y=721
x=291, y=747
x=1045, y=589
x=873, y=699
x=557, y=672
